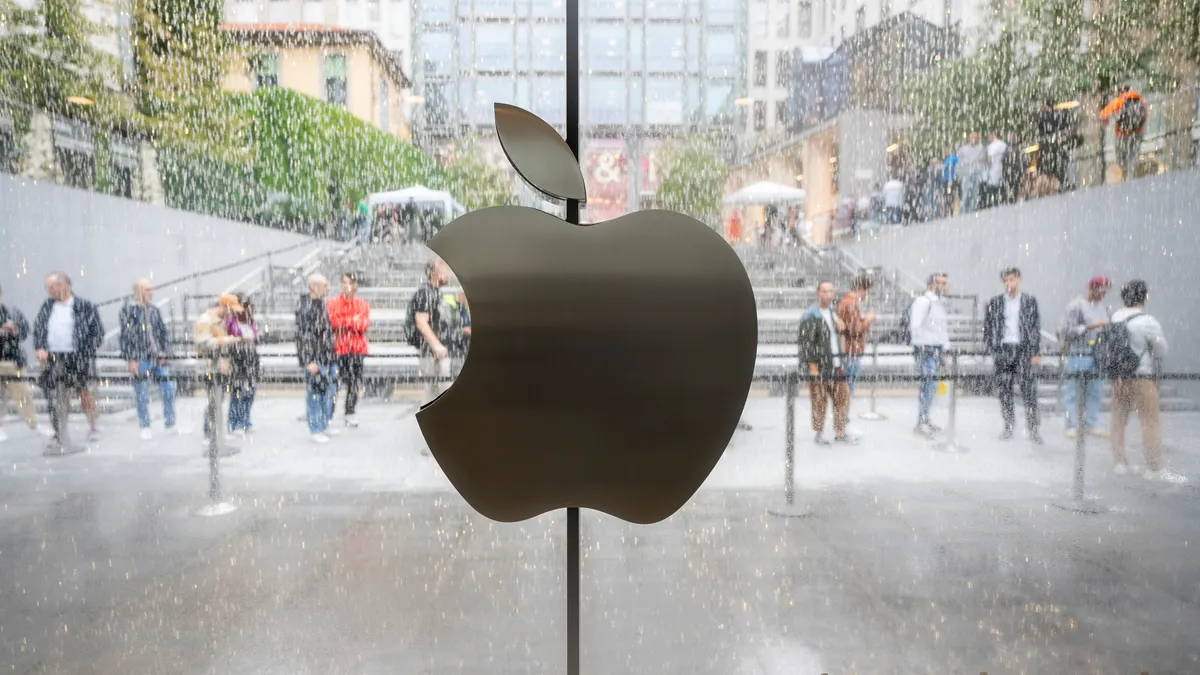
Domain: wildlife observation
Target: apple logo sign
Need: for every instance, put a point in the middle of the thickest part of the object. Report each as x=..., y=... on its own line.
x=609, y=362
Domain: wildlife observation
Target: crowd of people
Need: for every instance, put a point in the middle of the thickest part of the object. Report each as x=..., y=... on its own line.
x=1126, y=346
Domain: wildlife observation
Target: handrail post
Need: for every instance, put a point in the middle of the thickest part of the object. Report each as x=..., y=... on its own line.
x=789, y=509
x=216, y=445
x=1079, y=503
x=872, y=414
x=950, y=444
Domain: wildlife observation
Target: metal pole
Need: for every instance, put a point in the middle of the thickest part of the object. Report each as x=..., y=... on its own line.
x=216, y=447
x=789, y=508
x=1079, y=503
x=951, y=442
x=573, y=536
x=872, y=414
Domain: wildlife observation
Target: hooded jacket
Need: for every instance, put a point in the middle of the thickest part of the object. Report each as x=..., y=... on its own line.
x=814, y=343
x=350, y=320
x=314, y=334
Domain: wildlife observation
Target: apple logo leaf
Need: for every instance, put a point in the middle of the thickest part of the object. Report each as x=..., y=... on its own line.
x=539, y=154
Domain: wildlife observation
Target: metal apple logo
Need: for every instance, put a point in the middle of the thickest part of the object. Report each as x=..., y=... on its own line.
x=609, y=363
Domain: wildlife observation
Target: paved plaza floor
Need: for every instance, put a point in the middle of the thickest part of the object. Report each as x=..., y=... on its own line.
x=357, y=557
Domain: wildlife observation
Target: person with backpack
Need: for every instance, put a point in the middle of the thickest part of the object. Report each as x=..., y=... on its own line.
x=1134, y=362
x=1130, y=112
x=426, y=331
x=929, y=334
x=1012, y=334
x=1081, y=324
x=13, y=330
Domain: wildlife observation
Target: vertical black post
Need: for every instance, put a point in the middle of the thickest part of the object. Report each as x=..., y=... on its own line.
x=789, y=434
x=573, y=537
x=1080, y=432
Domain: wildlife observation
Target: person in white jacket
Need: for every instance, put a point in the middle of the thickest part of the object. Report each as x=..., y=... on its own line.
x=928, y=326
x=1140, y=393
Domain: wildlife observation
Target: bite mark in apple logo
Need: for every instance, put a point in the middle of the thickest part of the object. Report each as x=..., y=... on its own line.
x=609, y=363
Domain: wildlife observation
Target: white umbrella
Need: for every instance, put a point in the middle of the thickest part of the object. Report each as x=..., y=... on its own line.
x=418, y=194
x=765, y=192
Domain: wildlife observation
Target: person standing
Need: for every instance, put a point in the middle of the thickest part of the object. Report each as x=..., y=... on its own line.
x=972, y=165
x=893, y=201
x=244, y=366
x=146, y=348
x=13, y=331
x=994, y=188
x=930, y=332
x=950, y=186
x=1131, y=115
x=857, y=326
x=314, y=349
x=1012, y=334
x=214, y=344
x=426, y=310
x=820, y=347
x=1081, y=324
x=67, y=334
x=1140, y=392
x=350, y=317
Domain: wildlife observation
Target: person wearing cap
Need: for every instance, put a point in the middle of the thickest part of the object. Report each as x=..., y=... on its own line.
x=213, y=343
x=1081, y=324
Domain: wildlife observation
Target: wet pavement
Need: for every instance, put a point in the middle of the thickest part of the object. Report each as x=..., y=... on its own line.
x=356, y=557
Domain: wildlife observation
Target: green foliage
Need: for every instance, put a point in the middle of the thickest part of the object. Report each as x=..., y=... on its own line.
x=193, y=181
x=475, y=182
x=693, y=177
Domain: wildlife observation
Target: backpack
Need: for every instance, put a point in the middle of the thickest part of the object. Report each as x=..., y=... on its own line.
x=1115, y=358
x=904, y=332
x=1132, y=116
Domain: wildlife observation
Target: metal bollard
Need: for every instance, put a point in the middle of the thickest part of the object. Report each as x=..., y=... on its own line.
x=789, y=509
x=950, y=444
x=1079, y=502
x=216, y=449
x=872, y=414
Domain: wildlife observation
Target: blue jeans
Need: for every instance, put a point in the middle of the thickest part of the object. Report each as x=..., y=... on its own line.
x=240, y=401
x=141, y=393
x=1081, y=363
x=929, y=360
x=852, y=366
x=320, y=406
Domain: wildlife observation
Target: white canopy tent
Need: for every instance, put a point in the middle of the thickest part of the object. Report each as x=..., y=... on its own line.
x=421, y=196
x=765, y=192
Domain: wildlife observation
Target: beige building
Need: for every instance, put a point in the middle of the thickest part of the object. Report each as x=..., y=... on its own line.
x=346, y=67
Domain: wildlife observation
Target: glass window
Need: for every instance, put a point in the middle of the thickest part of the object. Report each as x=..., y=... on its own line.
x=335, y=79
x=805, y=20
x=549, y=99
x=717, y=99
x=523, y=93
x=436, y=50
x=783, y=68
x=494, y=8
x=264, y=68
x=606, y=47
x=606, y=100
x=438, y=104
x=722, y=12
x=437, y=11
x=637, y=99
x=781, y=114
x=523, y=51
x=605, y=9
x=760, y=25
x=664, y=47
x=464, y=47
x=664, y=9
x=783, y=26
x=635, y=47
x=549, y=47
x=721, y=54
x=664, y=101
x=760, y=69
x=760, y=115
x=547, y=9
x=691, y=99
x=490, y=90
x=494, y=46
x=693, y=48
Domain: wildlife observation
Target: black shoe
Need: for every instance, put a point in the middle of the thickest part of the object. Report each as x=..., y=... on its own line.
x=1007, y=435
x=820, y=440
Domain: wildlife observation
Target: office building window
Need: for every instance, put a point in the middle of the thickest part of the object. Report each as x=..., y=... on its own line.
x=760, y=69
x=805, y=20
x=606, y=47
x=665, y=9
x=494, y=46
x=664, y=101
x=436, y=53
x=860, y=19
x=783, y=28
x=783, y=68
x=549, y=46
x=781, y=113
x=760, y=115
x=664, y=47
x=760, y=24
x=606, y=9
x=722, y=12
x=721, y=54
x=717, y=99
x=437, y=11
x=502, y=8
x=264, y=69
x=335, y=79
x=606, y=100
x=549, y=100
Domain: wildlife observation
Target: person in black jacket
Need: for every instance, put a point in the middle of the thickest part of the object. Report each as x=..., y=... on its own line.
x=146, y=348
x=314, y=349
x=1012, y=333
x=13, y=331
x=66, y=335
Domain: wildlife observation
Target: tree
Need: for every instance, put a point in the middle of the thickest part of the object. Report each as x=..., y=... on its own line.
x=473, y=180
x=693, y=177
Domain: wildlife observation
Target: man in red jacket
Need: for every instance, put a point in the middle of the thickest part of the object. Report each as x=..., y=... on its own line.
x=350, y=317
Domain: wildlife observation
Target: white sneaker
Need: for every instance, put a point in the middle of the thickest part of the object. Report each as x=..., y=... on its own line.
x=1166, y=476
x=332, y=431
x=177, y=431
x=1071, y=433
x=3, y=435
x=351, y=422
x=320, y=439
x=146, y=435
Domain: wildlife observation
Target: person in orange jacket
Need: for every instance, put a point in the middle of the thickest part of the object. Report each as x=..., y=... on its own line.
x=1129, y=109
x=350, y=317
